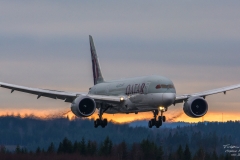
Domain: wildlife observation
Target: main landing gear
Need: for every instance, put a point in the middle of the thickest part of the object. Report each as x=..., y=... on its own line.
x=156, y=121
x=100, y=121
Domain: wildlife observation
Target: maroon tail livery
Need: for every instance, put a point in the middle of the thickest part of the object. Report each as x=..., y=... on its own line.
x=97, y=74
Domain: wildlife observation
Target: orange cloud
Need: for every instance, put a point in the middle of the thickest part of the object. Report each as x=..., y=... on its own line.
x=122, y=118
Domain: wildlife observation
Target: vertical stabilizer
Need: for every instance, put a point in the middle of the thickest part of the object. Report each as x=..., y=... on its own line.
x=97, y=74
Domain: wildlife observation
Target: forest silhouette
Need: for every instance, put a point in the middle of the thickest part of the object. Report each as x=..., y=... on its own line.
x=64, y=139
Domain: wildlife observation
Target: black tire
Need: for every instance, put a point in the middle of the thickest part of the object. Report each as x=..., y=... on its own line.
x=157, y=124
x=98, y=122
x=164, y=119
x=150, y=124
x=160, y=123
x=95, y=124
x=105, y=122
x=159, y=118
x=153, y=122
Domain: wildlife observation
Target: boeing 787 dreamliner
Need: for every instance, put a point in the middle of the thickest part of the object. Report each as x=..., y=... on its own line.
x=132, y=95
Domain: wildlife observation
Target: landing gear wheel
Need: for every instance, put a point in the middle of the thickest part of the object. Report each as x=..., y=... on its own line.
x=95, y=124
x=105, y=122
x=159, y=123
x=153, y=122
x=150, y=124
x=164, y=119
x=100, y=121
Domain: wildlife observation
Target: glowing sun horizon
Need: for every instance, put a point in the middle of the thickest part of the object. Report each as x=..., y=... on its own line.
x=121, y=118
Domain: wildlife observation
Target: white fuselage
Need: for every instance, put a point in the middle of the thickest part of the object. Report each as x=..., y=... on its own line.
x=140, y=93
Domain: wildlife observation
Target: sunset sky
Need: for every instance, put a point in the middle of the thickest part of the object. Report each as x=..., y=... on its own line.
x=45, y=44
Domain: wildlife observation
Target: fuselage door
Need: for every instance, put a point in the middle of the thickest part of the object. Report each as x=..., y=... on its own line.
x=145, y=90
x=107, y=90
x=92, y=90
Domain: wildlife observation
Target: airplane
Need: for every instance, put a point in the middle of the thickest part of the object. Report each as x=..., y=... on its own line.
x=131, y=95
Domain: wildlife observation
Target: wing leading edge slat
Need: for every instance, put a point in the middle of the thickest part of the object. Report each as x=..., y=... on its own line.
x=181, y=98
x=66, y=96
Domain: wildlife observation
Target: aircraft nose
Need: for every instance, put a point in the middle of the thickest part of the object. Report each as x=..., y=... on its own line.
x=168, y=99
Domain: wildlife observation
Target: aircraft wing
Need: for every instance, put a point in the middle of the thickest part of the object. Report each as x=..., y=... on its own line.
x=66, y=96
x=181, y=98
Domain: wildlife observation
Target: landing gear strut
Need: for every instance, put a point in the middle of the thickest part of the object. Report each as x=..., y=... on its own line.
x=157, y=121
x=100, y=121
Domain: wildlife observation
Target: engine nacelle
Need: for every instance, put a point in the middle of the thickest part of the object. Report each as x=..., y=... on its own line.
x=195, y=107
x=83, y=106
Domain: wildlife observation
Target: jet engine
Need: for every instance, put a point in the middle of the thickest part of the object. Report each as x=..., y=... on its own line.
x=83, y=106
x=195, y=107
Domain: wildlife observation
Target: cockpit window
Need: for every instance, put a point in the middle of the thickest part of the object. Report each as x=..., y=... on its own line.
x=164, y=86
x=158, y=86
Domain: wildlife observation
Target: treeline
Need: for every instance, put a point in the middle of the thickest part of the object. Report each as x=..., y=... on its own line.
x=32, y=133
x=146, y=149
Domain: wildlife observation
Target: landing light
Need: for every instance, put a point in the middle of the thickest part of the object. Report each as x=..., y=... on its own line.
x=121, y=99
x=162, y=108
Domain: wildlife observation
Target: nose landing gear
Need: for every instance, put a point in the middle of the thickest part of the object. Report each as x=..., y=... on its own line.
x=156, y=121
